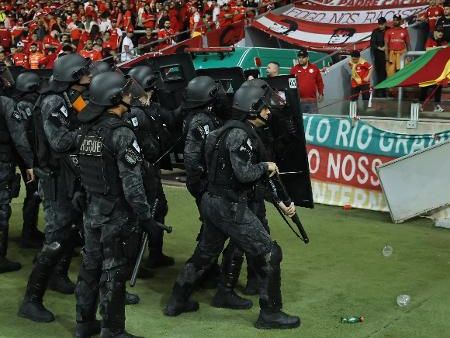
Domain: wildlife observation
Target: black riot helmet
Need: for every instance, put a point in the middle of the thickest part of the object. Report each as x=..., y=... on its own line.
x=201, y=91
x=70, y=68
x=28, y=82
x=107, y=89
x=99, y=67
x=145, y=76
x=250, y=99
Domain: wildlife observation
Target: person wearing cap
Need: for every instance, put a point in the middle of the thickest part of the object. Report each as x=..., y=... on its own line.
x=20, y=58
x=309, y=83
x=377, y=48
x=397, y=44
x=444, y=21
x=361, y=71
x=127, y=47
x=436, y=41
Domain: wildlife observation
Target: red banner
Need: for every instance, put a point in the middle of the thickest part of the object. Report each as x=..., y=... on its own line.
x=226, y=36
x=195, y=42
x=345, y=167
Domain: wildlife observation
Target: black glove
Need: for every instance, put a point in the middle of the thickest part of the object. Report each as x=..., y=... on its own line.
x=79, y=201
x=149, y=224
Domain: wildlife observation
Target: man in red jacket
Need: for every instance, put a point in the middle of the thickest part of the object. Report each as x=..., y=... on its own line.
x=309, y=83
x=20, y=58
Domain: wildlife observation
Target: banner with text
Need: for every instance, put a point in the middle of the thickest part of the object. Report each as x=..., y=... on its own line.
x=343, y=156
x=335, y=24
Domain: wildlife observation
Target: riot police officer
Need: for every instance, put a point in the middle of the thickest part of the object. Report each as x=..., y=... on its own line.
x=234, y=165
x=27, y=85
x=56, y=129
x=110, y=165
x=204, y=98
x=154, y=138
x=12, y=133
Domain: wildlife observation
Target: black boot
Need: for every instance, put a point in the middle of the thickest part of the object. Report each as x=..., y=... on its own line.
x=131, y=299
x=5, y=264
x=31, y=238
x=109, y=333
x=86, y=295
x=179, y=301
x=87, y=329
x=156, y=258
x=270, y=315
x=226, y=297
x=32, y=307
x=211, y=278
x=276, y=319
x=251, y=288
x=59, y=280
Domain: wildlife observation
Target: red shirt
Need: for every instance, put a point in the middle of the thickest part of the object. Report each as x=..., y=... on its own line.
x=241, y=13
x=309, y=81
x=5, y=38
x=151, y=20
x=362, y=70
x=164, y=33
x=396, y=38
x=432, y=14
x=94, y=55
x=48, y=61
x=432, y=43
x=20, y=59
x=223, y=21
x=111, y=45
x=127, y=20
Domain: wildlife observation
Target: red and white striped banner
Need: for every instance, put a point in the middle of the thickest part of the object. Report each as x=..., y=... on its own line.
x=332, y=26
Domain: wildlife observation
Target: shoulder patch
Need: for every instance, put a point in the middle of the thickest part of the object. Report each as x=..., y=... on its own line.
x=16, y=115
x=132, y=156
x=134, y=121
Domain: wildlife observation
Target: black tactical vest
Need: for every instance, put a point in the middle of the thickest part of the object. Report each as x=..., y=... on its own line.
x=5, y=138
x=98, y=168
x=221, y=178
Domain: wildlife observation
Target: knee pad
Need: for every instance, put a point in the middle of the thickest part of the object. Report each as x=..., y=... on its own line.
x=50, y=253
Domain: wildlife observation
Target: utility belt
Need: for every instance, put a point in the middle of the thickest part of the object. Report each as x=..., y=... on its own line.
x=229, y=194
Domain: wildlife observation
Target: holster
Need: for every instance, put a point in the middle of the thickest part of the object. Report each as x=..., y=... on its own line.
x=47, y=180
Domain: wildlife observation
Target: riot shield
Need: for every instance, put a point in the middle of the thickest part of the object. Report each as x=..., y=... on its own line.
x=174, y=72
x=287, y=145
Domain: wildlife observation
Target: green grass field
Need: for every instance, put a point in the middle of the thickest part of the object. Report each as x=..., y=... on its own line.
x=341, y=272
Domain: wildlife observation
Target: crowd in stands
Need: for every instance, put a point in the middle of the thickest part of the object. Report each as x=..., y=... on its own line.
x=33, y=33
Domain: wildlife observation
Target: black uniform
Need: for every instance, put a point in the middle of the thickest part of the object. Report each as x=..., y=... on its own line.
x=12, y=134
x=154, y=140
x=234, y=165
x=110, y=164
x=30, y=211
x=379, y=56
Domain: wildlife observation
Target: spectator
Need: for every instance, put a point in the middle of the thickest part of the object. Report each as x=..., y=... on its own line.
x=444, y=21
x=108, y=43
x=145, y=40
x=273, y=69
x=127, y=47
x=361, y=71
x=5, y=36
x=436, y=41
x=116, y=33
x=35, y=56
x=378, y=50
x=105, y=23
x=225, y=16
x=90, y=52
x=309, y=83
x=431, y=15
x=397, y=44
x=48, y=61
x=148, y=17
x=20, y=58
x=167, y=34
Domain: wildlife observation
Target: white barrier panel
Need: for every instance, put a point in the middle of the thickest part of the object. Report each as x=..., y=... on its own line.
x=417, y=183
